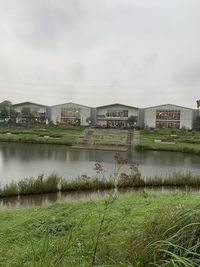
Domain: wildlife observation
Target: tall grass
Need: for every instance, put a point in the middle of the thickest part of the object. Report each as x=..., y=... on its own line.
x=127, y=230
x=9, y=190
x=172, y=239
x=39, y=185
x=54, y=183
x=175, y=179
x=85, y=183
x=27, y=186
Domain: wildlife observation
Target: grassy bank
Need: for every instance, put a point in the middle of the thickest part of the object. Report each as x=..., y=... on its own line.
x=54, y=183
x=109, y=137
x=126, y=230
x=170, y=140
x=41, y=135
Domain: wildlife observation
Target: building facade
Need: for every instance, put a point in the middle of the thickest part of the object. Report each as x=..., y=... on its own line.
x=70, y=114
x=113, y=115
x=168, y=116
x=116, y=115
x=30, y=112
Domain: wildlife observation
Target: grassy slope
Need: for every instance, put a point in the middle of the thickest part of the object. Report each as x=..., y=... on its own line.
x=64, y=234
x=65, y=135
x=183, y=142
x=109, y=137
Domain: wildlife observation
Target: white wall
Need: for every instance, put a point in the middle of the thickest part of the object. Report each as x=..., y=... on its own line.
x=186, y=115
x=101, y=111
x=32, y=108
x=55, y=112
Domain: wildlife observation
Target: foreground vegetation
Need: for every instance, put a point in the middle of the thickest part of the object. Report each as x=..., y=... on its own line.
x=54, y=183
x=170, y=140
x=41, y=134
x=133, y=229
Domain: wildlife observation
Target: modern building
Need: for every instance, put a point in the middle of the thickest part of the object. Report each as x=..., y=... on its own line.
x=70, y=114
x=116, y=115
x=168, y=116
x=113, y=115
x=38, y=112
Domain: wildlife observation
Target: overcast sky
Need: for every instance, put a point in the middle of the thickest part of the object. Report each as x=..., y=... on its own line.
x=96, y=52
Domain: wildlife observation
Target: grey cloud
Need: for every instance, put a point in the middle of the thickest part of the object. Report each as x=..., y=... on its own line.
x=77, y=72
x=151, y=59
x=39, y=22
x=189, y=74
x=85, y=49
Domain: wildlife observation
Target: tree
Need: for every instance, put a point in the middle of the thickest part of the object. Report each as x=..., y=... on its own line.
x=5, y=110
x=5, y=104
x=13, y=115
x=27, y=115
x=132, y=120
x=196, y=124
x=4, y=114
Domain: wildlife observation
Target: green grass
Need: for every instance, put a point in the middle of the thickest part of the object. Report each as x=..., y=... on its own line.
x=126, y=230
x=41, y=135
x=109, y=137
x=186, y=142
x=40, y=185
x=86, y=183
x=54, y=183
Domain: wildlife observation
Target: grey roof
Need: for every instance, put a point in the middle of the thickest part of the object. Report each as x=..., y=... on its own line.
x=70, y=103
x=168, y=104
x=118, y=104
x=25, y=103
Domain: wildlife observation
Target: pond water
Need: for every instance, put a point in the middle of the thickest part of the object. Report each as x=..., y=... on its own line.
x=18, y=161
x=45, y=199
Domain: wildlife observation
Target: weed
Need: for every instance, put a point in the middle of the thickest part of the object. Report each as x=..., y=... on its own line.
x=102, y=216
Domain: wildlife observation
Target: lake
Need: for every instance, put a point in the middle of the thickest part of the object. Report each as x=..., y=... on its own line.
x=18, y=161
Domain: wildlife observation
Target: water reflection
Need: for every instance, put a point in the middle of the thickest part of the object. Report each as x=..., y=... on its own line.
x=25, y=160
x=44, y=199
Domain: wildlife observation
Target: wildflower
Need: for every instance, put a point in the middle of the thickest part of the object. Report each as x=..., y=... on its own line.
x=84, y=177
x=98, y=168
x=120, y=159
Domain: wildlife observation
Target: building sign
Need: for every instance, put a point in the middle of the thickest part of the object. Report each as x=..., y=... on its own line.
x=198, y=103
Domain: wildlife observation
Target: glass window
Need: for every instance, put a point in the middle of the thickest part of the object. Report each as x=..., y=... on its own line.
x=167, y=115
x=168, y=118
x=66, y=113
x=117, y=113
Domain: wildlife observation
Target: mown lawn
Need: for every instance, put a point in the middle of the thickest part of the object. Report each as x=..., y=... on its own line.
x=44, y=134
x=114, y=231
x=181, y=141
